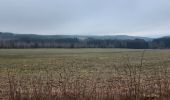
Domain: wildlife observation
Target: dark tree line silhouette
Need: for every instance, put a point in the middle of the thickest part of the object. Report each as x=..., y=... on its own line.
x=34, y=41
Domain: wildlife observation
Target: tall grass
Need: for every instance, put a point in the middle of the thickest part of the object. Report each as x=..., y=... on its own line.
x=130, y=82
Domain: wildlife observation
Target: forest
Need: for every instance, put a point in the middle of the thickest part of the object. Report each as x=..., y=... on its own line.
x=9, y=40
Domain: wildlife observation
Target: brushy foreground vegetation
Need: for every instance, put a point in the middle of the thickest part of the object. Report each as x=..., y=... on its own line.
x=84, y=74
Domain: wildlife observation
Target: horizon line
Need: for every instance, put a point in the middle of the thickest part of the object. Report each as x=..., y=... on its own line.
x=86, y=34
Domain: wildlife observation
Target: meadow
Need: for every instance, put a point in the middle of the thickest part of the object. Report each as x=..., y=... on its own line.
x=84, y=74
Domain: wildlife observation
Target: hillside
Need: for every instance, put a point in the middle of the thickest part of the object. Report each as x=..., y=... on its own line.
x=10, y=40
x=12, y=36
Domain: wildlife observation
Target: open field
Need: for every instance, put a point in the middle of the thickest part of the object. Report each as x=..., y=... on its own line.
x=84, y=74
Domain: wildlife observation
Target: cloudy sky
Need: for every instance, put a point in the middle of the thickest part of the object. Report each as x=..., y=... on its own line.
x=86, y=17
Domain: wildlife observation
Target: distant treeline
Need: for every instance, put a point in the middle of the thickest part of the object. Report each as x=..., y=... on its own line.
x=38, y=42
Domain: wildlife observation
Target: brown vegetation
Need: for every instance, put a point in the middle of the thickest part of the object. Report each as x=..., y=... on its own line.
x=129, y=82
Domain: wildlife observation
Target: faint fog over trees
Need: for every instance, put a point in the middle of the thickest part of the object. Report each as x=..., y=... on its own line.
x=9, y=40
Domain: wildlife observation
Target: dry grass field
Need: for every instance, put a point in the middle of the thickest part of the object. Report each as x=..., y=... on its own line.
x=84, y=74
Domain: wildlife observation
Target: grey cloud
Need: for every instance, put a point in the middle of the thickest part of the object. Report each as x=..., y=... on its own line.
x=132, y=17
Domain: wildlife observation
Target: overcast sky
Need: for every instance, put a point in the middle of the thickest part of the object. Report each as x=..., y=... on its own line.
x=86, y=17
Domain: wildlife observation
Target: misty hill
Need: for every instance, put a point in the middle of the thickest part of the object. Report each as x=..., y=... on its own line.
x=7, y=36
x=12, y=36
x=116, y=37
x=10, y=40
